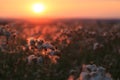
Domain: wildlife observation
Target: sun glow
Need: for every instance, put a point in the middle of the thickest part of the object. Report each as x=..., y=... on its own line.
x=38, y=8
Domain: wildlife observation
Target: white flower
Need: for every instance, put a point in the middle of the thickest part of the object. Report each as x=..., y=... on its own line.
x=30, y=58
x=95, y=45
x=48, y=46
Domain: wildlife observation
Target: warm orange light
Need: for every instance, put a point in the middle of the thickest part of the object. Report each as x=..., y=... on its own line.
x=38, y=8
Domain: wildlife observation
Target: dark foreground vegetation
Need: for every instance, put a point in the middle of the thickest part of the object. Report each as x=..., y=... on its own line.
x=78, y=43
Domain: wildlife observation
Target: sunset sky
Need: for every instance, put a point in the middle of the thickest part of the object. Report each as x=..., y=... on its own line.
x=61, y=9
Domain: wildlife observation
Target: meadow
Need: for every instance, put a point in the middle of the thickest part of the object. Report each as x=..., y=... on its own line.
x=66, y=45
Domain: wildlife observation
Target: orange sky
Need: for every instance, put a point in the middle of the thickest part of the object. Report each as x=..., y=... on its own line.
x=61, y=8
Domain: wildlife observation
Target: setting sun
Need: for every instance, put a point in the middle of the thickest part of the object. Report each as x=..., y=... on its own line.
x=38, y=8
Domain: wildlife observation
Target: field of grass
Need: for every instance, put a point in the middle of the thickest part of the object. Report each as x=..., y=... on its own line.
x=79, y=43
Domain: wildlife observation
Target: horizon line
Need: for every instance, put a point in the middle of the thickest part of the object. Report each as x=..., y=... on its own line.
x=61, y=18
